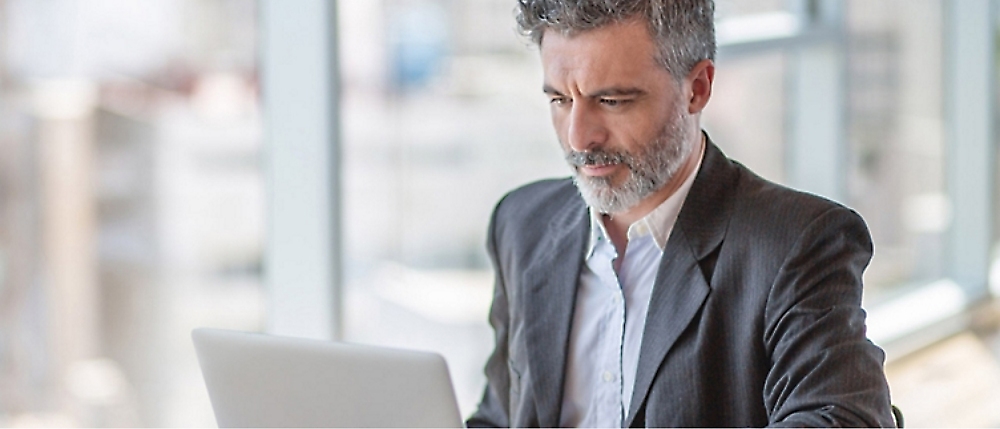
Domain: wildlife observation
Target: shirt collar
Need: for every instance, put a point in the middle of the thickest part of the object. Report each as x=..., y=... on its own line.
x=657, y=223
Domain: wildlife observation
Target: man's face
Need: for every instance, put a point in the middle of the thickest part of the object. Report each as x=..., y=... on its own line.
x=619, y=115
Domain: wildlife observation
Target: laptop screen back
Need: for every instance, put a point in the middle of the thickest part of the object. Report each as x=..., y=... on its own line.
x=257, y=380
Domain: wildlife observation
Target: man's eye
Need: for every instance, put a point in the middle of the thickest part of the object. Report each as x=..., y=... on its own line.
x=558, y=100
x=613, y=102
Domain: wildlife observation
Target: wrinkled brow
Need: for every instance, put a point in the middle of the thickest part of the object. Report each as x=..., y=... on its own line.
x=613, y=91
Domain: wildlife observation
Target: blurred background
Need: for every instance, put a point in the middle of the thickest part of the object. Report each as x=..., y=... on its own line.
x=327, y=169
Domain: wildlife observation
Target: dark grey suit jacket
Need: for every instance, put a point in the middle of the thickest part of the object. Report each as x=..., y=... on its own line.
x=755, y=318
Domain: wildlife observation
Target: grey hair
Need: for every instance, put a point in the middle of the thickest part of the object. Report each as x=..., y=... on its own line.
x=683, y=30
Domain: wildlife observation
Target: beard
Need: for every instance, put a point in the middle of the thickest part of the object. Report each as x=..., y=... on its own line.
x=649, y=168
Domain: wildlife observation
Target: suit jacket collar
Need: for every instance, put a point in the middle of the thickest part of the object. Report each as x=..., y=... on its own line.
x=682, y=284
x=708, y=207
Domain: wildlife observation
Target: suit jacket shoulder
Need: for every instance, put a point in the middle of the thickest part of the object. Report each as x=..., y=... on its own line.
x=529, y=215
x=538, y=202
x=778, y=210
x=730, y=203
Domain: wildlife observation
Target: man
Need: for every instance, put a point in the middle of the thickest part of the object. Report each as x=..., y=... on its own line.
x=670, y=286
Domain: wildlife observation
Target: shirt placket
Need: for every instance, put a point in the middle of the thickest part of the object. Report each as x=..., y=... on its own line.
x=610, y=376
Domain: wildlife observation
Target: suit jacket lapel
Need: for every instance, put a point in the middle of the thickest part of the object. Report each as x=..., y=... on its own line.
x=681, y=287
x=550, y=294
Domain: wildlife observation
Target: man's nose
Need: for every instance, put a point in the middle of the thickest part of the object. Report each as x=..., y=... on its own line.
x=586, y=128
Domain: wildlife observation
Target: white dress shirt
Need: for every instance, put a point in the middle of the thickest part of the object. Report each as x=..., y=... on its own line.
x=610, y=313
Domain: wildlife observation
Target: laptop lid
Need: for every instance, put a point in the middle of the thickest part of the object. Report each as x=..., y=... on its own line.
x=257, y=380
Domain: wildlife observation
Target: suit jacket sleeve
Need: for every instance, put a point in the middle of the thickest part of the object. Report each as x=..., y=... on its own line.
x=493, y=409
x=824, y=371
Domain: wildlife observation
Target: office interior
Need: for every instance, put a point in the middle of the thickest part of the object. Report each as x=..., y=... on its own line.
x=327, y=169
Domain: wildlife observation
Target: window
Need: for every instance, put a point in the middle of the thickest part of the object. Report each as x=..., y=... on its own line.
x=896, y=135
x=131, y=205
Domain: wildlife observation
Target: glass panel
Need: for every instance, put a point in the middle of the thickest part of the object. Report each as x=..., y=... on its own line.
x=745, y=116
x=131, y=205
x=896, y=137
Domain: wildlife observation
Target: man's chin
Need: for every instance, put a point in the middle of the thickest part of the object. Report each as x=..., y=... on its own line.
x=600, y=195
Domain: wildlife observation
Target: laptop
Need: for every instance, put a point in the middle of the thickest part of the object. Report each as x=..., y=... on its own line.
x=257, y=380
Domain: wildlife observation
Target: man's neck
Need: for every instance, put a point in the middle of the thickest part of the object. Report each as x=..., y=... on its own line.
x=617, y=224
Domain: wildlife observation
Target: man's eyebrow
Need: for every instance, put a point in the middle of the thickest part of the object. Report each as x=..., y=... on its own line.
x=614, y=91
x=550, y=90
x=618, y=91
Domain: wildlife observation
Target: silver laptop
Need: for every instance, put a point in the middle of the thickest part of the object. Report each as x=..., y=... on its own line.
x=257, y=380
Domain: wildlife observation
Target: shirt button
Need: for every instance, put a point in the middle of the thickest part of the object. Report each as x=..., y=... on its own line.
x=608, y=376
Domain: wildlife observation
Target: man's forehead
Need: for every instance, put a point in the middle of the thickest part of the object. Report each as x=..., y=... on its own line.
x=625, y=36
x=614, y=54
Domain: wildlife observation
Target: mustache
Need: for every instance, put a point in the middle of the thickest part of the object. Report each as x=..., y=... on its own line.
x=596, y=157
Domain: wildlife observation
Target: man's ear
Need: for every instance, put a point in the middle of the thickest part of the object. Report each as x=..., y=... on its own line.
x=699, y=83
